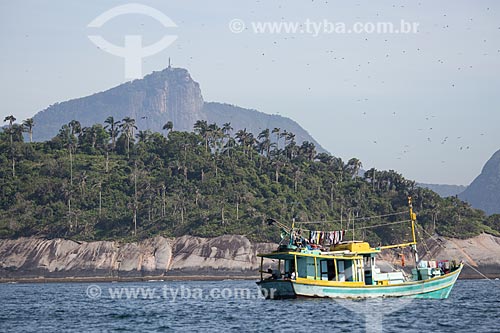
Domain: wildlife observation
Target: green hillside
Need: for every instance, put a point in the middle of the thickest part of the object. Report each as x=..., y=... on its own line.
x=116, y=182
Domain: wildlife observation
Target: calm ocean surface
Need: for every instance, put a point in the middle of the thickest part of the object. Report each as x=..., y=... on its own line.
x=473, y=306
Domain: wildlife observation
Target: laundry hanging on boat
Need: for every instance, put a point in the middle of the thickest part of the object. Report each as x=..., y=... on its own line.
x=328, y=237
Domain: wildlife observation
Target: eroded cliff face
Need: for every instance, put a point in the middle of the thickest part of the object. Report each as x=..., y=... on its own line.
x=187, y=255
x=229, y=255
x=221, y=255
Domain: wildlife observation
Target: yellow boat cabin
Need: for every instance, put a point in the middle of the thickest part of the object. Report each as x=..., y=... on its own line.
x=351, y=263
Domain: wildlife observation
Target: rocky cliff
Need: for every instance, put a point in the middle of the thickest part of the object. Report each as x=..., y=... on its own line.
x=481, y=252
x=484, y=191
x=57, y=258
x=224, y=256
x=167, y=95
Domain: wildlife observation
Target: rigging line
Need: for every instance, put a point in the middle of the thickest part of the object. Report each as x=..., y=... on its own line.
x=465, y=262
x=355, y=218
x=367, y=227
x=384, y=224
x=477, y=271
x=422, y=238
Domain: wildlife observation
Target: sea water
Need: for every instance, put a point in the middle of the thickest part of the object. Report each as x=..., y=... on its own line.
x=220, y=306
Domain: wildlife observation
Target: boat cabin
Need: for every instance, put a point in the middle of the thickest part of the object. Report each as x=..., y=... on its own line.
x=351, y=263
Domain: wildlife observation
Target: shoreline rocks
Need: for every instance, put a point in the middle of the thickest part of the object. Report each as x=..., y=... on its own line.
x=187, y=256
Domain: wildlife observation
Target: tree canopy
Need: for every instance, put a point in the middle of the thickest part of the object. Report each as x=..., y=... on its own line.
x=117, y=182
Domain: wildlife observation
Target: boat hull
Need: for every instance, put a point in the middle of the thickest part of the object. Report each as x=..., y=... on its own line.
x=436, y=288
x=277, y=289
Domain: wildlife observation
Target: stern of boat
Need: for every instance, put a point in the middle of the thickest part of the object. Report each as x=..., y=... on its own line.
x=277, y=289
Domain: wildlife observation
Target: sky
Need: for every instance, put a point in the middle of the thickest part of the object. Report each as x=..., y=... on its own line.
x=423, y=103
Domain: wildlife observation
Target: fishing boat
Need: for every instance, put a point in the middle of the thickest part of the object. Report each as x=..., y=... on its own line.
x=350, y=270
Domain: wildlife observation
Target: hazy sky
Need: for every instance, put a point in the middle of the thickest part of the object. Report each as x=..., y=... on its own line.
x=425, y=104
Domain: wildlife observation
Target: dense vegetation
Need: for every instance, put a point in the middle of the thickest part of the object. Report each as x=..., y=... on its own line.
x=116, y=182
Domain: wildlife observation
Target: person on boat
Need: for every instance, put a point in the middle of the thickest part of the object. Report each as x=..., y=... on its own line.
x=270, y=272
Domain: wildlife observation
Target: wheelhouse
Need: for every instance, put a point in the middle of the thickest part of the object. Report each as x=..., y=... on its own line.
x=347, y=264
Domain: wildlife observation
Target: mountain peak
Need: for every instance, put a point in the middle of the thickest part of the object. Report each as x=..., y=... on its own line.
x=167, y=95
x=484, y=191
x=169, y=73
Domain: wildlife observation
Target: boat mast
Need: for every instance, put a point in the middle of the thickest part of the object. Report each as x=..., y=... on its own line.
x=413, y=243
x=413, y=218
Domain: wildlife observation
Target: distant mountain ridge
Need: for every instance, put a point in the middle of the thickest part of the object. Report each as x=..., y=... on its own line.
x=444, y=190
x=167, y=95
x=484, y=192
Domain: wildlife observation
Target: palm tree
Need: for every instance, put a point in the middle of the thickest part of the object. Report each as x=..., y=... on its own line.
x=354, y=165
x=136, y=203
x=16, y=135
x=11, y=119
x=278, y=163
x=75, y=126
x=112, y=128
x=290, y=137
x=226, y=128
x=265, y=142
x=243, y=138
x=99, y=186
x=67, y=192
x=230, y=144
x=76, y=129
x=283, y=135
x=128, y=126
x=308, y=150
x=168, y=126
x=325, y=158
x=277, y=131
x=91, y=133
x=225, y=134
x=201, y=128
x=28, y=125
x=216, y=137
x=144, y=136
x=371, y=176
x=290, y=146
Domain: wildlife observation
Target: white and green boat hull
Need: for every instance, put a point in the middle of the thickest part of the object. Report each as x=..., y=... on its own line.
x=436, y=288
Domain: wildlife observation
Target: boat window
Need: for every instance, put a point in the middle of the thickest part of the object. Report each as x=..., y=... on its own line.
x=367, y=261
x=369, y=265
x=345, y=270
x=327, y=269
x=306, y=267
x=301, y=267
x=359, y=270
x=289, y=268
